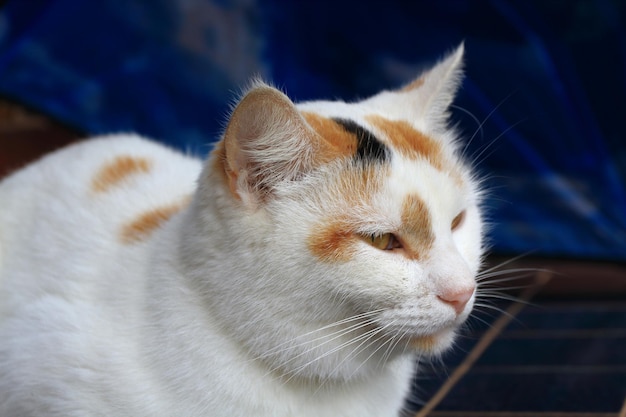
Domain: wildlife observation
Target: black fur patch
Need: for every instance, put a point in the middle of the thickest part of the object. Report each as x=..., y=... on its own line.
x=369, y=147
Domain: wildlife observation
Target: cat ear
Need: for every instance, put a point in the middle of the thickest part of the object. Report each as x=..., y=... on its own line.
x=431, y=94
x=266, y=141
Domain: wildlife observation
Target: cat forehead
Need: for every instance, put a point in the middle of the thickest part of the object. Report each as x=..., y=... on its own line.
x=361, y=129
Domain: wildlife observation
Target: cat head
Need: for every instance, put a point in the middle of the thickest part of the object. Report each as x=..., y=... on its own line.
x=364, y=222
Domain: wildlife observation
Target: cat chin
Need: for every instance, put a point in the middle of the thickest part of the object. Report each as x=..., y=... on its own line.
x=434, y=344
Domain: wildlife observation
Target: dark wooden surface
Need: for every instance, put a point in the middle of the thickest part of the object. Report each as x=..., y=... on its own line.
x=26, y=135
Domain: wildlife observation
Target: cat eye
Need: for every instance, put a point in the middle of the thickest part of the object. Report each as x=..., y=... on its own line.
x=457, y=221
x=385, y=241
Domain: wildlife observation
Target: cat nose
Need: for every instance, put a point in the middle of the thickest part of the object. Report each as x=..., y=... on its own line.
x=457, y=298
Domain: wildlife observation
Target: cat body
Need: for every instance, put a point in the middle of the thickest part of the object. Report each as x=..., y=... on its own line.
x=300, y=271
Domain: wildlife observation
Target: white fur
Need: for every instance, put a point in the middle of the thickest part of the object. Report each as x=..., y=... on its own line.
x=223, y=311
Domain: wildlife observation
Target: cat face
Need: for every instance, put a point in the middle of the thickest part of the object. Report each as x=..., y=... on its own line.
x=370, y=221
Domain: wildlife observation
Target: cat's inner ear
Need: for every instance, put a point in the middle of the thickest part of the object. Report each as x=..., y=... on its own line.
x=429, y=96
x=266, y=141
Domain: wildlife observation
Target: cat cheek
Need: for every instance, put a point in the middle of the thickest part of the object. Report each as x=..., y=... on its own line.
x=332, y=243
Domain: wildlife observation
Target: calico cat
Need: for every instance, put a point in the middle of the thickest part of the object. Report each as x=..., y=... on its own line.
x=299, y=271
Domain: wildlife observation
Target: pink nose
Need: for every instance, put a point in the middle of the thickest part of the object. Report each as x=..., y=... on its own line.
x=457, y=298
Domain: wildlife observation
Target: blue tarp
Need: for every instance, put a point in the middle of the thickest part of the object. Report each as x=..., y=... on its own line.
x=542, y=101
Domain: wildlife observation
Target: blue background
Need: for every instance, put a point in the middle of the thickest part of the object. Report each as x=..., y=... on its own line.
x=543, y=99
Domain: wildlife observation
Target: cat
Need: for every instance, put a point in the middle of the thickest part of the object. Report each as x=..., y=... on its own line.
x=300, y=270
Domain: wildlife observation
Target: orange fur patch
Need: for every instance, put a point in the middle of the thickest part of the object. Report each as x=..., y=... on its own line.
x=417, y=233
x=146, y=223
x=408, y=141
x=332, y=243
x=337, y=141
x=357, y=185
x=116, y=171
x=417, y=83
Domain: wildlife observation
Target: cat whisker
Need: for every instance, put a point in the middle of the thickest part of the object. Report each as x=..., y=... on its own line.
x=498, y=296
x=329, y=338
x=359, y=318
x=365, y=335
x=508, y=261
x=384, y=357
x=527, y=272
x=408, y=341
x=390, y=342
x=498, y=309
x=481, y=124
x=490, y=281
x=392, y=346
x=325, y=340
x=473, y=316
x=475, y=161
x=505, y=283
x=369, y=341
